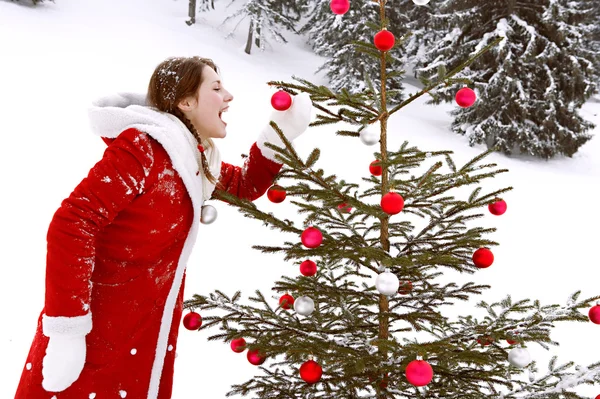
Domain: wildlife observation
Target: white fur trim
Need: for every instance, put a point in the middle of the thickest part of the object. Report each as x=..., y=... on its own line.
x=67, y=326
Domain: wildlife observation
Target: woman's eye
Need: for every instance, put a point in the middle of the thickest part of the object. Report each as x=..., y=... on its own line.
x=217, y=89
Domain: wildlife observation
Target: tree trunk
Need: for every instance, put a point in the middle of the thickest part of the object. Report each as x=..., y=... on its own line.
x=259, y=23
x=192, y=13
x=249, y=40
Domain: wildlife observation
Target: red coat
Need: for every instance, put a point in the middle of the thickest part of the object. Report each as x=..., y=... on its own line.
x=118, y=248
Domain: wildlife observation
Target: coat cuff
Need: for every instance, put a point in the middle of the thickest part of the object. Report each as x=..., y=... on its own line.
x=67, y=326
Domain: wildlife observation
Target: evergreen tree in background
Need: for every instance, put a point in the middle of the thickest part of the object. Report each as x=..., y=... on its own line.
x=363, y=318
x=531, y=86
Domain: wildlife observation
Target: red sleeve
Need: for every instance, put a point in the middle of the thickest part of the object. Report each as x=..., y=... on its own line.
x=253, y=179
x=110, y=186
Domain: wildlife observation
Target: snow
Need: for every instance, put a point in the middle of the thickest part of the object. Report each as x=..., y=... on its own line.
x=63, y=55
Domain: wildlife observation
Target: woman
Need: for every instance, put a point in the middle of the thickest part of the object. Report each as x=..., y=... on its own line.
x=119, y=245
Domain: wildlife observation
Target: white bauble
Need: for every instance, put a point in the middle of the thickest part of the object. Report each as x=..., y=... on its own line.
x=420, y=2
x=387, y=283
x=369, y=136
x=519, y=357
x=304, y=305
x=208, y=214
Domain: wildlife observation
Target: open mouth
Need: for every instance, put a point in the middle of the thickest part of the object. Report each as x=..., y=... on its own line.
x=221, y=116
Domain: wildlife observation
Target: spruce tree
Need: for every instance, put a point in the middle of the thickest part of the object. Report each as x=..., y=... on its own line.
x=531, y=86
x=377, y=292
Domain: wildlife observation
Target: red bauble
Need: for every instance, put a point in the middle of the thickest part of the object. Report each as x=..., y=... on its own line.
x=311, y=237
x=511, y=342
x=339, y=7
x=497, y=208
x=405, y=287
x=392, y=203
x=276, y=194
x=465, y=97
x=238, y=345
x=384, y=40
x=343, y=207
x=286, y=301
x=419, y=373
x=485, y=340
x=256, y=357
x=281, y=100
x=375, y=169
x=598, y=397
x=594, y=314
x=311, y=372
x=192, y=321
x=483, y=258
x=308, y=268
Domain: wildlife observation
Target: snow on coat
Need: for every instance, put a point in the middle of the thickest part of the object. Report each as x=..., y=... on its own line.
x=118, y=247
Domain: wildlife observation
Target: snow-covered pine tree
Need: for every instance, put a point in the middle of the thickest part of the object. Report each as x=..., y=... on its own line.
x=531, y=86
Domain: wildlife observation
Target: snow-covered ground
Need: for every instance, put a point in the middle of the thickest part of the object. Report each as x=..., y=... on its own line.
x=57, y=57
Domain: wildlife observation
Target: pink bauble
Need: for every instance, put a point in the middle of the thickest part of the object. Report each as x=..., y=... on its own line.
x=308, y=268
x=312, y=237
x=419, y=373
x=256, y=357
x=339, y=7
x=497, y=208
x=192, y=321
x=465, y=97
x=281, y=100
x=483, y=258
x=392, y=203
x=311, y=371
x=594, y=314
x=238, y=345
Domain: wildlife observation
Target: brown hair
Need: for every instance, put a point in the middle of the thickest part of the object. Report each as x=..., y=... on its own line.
x=173, y=80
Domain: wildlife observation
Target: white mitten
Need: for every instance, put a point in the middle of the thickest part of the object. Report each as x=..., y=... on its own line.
x=292, y=122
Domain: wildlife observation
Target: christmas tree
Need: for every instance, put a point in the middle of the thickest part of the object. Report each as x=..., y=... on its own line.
x=362, y=318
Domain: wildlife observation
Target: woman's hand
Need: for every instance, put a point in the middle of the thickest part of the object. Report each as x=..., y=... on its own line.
x=64, y=360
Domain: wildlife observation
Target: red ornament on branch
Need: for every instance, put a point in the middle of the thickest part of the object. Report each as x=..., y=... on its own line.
x=339, y=7
x=311, y=372
x=192, y=321
x=256, y=357
x=238, y=345
x=276, y=194
x=497, y=208
x=485, y=340
x=594, y=314
x=375, y=168
x=308, y=268
x=286, y=301
x=281, y=100
x=345, y=208
x=483, y=258
x=384, y=40
x=392, y=203
x=311, y=237
x=465, y=97
x=419, y=373
x=405, y=287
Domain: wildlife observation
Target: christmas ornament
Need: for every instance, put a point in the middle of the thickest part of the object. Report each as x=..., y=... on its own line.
x=405, y=287
x=238, y=345
x=208, y=214
x=598, y=397
x=281, y=100
x=392, y=203
x=420, y=2
x=375, y=169
x=419, y=373
x=256, y=357
x=387, y=283
x=485, y=340
x=343, y=207
x=483, y=258
x=384, y=40
x=286, y=301
x=311, y=371
x=497, y=208
x=308, y=268
x=339, y=7
x=511, y=342
x=304, y=305
x=311, y=237
x=594, y=314
x=192, y=321
x=519, y=357
x=369, y=137
x=465, y=97
x=276, y=194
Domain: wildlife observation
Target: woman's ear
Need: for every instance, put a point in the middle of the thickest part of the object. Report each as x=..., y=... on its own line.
x=186, y=104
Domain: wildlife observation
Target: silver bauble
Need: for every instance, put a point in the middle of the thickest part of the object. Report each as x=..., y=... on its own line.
x=387, y=283
x=208, y=214
x=304, y=305
x=519, y=357
x=369, y=136
x=420, y=2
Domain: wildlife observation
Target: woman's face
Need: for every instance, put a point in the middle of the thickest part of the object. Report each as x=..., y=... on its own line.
x=205, y=113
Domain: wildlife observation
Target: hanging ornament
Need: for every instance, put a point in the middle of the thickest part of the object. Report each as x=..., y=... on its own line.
x=208, y=214
x=594, y=313
x=419, y=373
x=387, y=283
x=369, y=137
x=311, y=237
x=519, y=357
x=384, y=40
x=511, y=342
x=281, y=100
x=405, y=287
x=420, y=2
x=392, y=203
x=311, y=371
x=485, y=340
x=276, y=194
x=375, y=168
x=256, y=357
x=238, y=345
x=339, y=7
x=286, y=301
x=304, y=305
x=192, y=321
x=308, y=268
x=483, y=258
x=465, y=97
x=497, y=208
x=345, y=208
